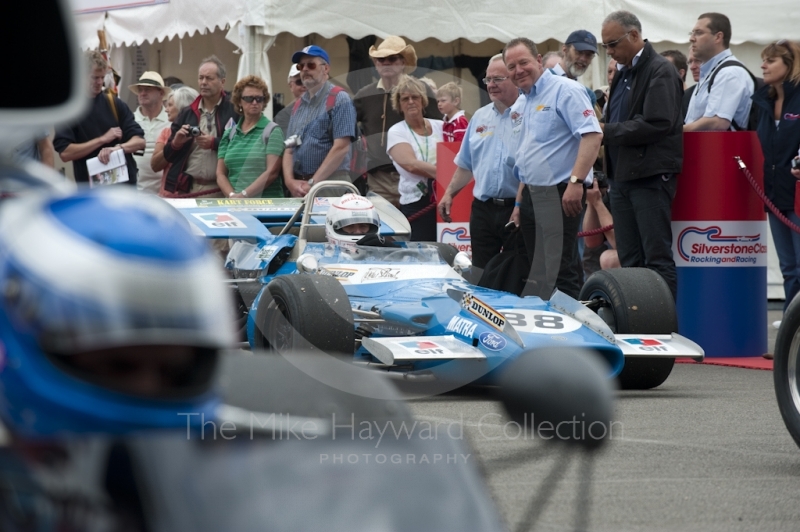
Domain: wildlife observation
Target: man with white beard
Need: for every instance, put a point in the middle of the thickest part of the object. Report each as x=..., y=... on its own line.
x=577, y=53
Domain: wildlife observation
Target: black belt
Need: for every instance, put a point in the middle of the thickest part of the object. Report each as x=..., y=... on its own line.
x=384, y=168
x=500, y=202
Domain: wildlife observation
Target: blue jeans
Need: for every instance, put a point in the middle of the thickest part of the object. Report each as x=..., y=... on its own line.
x=787, y=246
x=642, y=212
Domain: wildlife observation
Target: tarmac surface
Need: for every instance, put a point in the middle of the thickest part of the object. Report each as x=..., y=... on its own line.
x=706, y=451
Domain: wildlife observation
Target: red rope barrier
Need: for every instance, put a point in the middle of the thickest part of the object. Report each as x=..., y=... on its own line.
x=761, y=194
x=597, y=231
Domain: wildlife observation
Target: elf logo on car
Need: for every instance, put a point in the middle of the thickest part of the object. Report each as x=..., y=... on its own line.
x=492, y=341
x=424, y=348
x=483, y=311
x=462, y=326
x=220, y=220
x=647, y=344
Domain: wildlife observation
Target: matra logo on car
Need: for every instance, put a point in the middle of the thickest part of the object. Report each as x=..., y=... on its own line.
x=462, y=326
x=483, y=311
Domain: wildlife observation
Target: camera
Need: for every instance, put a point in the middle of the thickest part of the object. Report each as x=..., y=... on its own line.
x=194, y=131
x=292, y=142
x=796, y=163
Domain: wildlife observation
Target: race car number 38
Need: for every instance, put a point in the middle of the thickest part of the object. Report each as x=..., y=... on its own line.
x=540, y=321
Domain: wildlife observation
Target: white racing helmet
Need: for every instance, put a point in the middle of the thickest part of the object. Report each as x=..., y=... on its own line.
x=350, y=209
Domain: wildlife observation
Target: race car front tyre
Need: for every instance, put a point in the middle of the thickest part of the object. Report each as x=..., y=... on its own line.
x=308, y=312
x=786, y=369
x=635, y=301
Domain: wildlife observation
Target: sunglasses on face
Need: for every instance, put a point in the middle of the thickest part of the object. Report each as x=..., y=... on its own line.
x=613, y=44
x=389, y=59
x=298, y=82
x=311, y=65
x=251, y=99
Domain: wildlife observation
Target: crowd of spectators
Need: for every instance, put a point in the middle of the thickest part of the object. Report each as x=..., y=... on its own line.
x=534, y=152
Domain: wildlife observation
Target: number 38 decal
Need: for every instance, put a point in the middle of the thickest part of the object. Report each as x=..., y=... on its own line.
x=540, y=321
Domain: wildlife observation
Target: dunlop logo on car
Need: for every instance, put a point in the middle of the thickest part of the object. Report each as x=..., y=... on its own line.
x=341, y=274
x=483, y=311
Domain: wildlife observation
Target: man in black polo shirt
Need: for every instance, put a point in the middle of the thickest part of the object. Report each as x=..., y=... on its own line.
x=108, y=126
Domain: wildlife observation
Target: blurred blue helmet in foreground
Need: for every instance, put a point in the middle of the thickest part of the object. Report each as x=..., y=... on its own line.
x=111, y=315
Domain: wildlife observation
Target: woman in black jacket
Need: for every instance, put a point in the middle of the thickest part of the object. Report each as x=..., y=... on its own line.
x=778, y=104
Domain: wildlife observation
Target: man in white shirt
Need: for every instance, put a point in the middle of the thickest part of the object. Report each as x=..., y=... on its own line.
x=151, y=116
x=721, y=101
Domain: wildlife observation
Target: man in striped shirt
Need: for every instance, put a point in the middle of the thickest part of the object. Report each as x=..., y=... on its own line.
x=326, y=131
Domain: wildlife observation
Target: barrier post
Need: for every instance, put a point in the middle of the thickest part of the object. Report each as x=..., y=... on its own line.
x=455, y=233
x=719, y=234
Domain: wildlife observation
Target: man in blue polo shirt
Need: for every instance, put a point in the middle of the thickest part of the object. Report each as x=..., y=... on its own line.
x=325, y=131
x=486, y=146
x=558, y=144
x=723, y=105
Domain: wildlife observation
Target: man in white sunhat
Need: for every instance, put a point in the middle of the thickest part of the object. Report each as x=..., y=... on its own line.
x=297, y=89
x=152, y=117
x=392, y=58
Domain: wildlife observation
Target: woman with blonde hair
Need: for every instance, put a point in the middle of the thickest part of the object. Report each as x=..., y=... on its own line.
x=411, y=144
x=778, y=107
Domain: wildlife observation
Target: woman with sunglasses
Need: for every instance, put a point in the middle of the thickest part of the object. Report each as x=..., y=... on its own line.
x=249, y=164
x=778, y=105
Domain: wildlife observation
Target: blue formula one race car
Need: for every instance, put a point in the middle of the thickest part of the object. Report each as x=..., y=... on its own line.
x=408, y=311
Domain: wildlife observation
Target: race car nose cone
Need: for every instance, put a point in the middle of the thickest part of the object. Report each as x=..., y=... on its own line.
x=560, y=395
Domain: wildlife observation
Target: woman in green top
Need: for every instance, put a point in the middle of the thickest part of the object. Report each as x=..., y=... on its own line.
x=248, y=162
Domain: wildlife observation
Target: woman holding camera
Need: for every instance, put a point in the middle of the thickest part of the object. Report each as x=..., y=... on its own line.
x=778, y=104
x=176, y=101
x=250, y=151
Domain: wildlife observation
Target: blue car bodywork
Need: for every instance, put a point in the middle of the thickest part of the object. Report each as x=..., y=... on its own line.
x=414, y=314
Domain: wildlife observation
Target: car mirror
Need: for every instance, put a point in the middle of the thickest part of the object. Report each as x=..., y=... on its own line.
x=52, y=89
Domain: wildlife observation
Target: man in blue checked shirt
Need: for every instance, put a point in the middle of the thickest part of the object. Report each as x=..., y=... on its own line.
x=558, y=144
x=488, y=143
x=325, y=120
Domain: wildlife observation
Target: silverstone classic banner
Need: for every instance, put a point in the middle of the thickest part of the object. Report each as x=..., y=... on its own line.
x=718, y=243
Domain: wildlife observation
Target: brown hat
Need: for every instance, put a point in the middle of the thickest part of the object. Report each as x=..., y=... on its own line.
x=151, y=79
x=394, y=45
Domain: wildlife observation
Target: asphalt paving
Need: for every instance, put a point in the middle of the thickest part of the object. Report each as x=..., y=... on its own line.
x=706, y=451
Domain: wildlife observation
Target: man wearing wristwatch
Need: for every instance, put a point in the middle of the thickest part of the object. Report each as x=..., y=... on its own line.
x=559, y=138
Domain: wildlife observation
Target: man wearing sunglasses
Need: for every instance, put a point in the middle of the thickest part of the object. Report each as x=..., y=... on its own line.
x=644, y=146
x=325, y=120
x=392, y=58
x=723, y=104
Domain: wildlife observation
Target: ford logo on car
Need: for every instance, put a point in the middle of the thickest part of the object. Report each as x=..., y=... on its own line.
x=492, y=341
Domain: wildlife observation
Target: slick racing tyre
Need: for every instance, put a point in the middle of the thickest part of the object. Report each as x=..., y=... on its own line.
x=635, y=301
x=786, y=370
x=308, y=312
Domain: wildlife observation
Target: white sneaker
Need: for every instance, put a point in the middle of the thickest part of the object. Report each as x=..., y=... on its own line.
x=776, y=324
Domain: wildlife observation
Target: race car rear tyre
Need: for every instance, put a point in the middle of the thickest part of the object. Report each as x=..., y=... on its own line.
x=635, y=301
x=309, y=312
x=786, y=369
